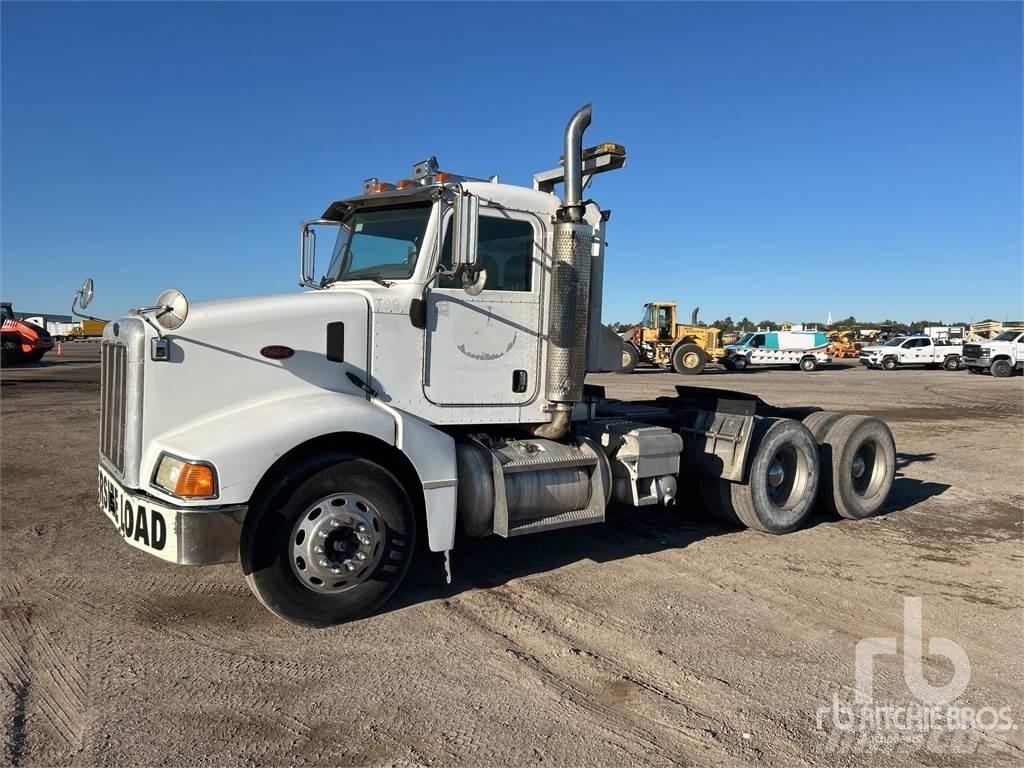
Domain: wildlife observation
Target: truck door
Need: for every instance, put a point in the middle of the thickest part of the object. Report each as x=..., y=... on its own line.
x=1019, y=350
x=484, y=349
x=910, y=351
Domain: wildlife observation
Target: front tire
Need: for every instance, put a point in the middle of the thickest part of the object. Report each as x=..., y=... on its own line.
x=1001, y=368
x=689, y=359
x=630, y=358
x=11, y=354
x=739, y=363
x=330, y=542
x=889, y=364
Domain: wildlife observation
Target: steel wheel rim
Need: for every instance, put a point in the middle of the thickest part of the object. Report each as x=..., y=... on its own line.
x=787, y=477
x=867, y=470
x=690, y=360
x=336, y=543
x=625, y=358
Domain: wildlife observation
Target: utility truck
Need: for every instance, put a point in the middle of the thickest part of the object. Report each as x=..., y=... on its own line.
x=1000, y=356
x=805, y=350
x=430, y=380
x=912, y=350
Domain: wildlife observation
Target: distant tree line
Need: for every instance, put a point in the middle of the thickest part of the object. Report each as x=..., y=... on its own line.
x=727, y=324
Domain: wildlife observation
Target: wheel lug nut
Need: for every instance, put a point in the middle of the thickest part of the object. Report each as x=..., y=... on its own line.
x=360, y=555
x=335, y=570
x=318, y=549
x=365, y=540
x=361, y=528
x=323, y=563
x=322, y=534
x=349, y=567
x=335, y=522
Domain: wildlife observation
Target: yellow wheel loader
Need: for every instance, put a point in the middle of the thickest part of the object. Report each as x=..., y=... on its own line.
x=660, y=341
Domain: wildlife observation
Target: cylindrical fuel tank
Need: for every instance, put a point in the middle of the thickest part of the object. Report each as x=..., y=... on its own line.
x=530, y=495
x=537, y=481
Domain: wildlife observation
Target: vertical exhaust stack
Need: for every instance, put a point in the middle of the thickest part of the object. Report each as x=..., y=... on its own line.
x=572, y=208
x=570, y=289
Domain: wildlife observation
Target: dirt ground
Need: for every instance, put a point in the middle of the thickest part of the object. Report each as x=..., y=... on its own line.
x=658, y=638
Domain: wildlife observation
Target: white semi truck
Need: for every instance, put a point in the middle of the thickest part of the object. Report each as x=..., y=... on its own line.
x=431, y=381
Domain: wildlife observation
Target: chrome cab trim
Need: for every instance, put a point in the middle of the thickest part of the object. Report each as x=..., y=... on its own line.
x=121, y=398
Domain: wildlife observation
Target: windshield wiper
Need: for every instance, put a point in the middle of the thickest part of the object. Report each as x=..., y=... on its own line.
x=376, y=278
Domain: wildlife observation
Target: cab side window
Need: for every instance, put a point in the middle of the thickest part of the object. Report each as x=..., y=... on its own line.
x=504, y=248
x=757, y=341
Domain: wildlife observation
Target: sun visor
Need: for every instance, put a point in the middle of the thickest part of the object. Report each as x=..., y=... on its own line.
x=339, y=209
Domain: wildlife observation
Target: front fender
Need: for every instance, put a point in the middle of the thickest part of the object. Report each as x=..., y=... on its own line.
x=243, y=444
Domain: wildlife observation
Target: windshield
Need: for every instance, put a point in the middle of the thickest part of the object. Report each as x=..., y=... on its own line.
x=1007, y=336
x=744, y=338
x=895, y=342
x=6, y=314
x=379, y=243
x=648, y=319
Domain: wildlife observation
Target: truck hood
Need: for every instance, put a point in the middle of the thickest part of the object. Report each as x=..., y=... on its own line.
x=216, y=360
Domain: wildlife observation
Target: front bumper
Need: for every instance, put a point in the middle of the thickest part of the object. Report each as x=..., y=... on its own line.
x=976, y=362
x=181, y=535
x=870, y=362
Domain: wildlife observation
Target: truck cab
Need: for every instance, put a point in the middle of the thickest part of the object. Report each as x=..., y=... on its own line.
x=1001, y=355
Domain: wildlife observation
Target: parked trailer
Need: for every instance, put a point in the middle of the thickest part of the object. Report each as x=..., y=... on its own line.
x=435, y=383
x=805, y=350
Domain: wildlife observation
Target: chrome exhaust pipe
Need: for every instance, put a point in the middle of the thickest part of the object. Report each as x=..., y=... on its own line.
x=570, y=290
x=578, y=123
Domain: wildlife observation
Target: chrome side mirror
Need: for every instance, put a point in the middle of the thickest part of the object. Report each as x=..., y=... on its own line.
x=464, y=228
x=85, y=293
x=82, y=299
x=474, y=278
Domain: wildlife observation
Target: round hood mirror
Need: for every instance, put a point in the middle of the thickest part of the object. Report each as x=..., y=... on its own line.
x=173, y=309
x=474, y=278
x=85, y=293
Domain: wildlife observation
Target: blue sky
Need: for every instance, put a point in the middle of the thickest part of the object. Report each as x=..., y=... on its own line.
x=785, y=159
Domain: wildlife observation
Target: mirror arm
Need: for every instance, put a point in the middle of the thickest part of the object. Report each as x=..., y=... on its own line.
x=84, y=317
x=143, y=312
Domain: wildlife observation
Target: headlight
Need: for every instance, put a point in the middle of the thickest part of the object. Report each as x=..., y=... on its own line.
x=190, y=479
x=986, y=352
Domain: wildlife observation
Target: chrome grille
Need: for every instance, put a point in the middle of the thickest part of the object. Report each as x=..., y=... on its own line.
x=113, y=401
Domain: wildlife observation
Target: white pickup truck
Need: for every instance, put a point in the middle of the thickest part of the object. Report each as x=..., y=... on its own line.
x=912, y=350
x=1000, y=355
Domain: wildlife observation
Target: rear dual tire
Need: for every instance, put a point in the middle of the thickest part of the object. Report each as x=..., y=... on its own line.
x=858, y=462
x=781, y=485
